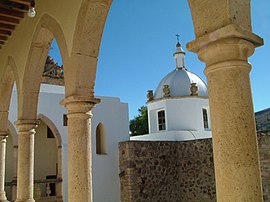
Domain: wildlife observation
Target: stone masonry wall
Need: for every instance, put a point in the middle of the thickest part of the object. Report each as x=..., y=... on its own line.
x=264, y=149
x=176, y=171
x=149, y=171
x=196, y=171
x=166, y=171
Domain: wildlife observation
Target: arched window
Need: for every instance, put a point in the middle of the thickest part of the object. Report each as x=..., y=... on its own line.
x=161, y=120
x=100, y=139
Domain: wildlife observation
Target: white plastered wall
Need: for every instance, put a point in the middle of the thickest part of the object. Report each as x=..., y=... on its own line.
x=181, y=113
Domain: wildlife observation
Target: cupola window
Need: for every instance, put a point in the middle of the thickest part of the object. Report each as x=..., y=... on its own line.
x=205, y=119
x=161, y=120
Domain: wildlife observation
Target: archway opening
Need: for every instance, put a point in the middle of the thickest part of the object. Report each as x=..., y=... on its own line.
x=53, y=72
x=46, y=162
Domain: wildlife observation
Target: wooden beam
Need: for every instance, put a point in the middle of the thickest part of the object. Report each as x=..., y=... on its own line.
x=8, y=20
x=11, y=13
x=3, y=38
x=3, y=35
x=8, y=27
x=14, y=6
x=26, y=2
x=5, y=32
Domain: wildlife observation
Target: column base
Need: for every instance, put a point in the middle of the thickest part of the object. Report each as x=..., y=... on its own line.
x=3, y=197
x=58, y=199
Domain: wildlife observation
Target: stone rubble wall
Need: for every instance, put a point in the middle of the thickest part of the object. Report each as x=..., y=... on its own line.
x=166, y=171
x=152, y=171
x=264, y=150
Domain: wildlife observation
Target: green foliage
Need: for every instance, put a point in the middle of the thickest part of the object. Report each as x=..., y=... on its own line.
x=139, y=125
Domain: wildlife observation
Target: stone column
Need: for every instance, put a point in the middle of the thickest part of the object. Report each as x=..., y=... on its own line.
x=25, y=177
x=3, y=141
x=59, y=179
x=236, y=161
x=79, y=148
x=15, y=168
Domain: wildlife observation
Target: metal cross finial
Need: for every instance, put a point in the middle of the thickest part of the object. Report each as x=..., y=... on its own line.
x=177, y=37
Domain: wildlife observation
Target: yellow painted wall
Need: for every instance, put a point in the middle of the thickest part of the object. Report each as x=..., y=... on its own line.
x=45, y=153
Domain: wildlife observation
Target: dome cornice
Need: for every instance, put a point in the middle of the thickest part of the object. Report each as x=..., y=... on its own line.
x=176, y=97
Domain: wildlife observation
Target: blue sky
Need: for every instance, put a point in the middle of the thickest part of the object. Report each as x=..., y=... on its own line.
x=139, y=40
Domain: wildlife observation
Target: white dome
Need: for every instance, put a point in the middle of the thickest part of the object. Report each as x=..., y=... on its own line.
x=179, y=82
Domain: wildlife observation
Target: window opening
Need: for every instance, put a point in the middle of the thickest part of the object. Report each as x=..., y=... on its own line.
x=161, y=120
x=49, y=133
x=205, y=119
x=65, y=120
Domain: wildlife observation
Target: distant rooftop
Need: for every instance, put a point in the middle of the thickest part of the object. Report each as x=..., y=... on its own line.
x=263, y=120
x=53, y=73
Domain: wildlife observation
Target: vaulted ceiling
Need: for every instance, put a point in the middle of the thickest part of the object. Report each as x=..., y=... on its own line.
x=11, y=12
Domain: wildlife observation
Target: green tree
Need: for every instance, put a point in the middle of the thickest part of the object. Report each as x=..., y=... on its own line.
x=139, y=125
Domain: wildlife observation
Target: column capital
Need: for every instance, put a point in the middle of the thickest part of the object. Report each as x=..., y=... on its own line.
x=230, y=31
x=3, y=134
x=79, y=104
x=26, y=125
x=229, y=46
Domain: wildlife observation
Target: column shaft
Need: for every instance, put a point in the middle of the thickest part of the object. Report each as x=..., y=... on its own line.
x=25, y=178
x=15, y=168
x=79, y=148
x=2, y=166
x=234, y=138
x=79, y=162
x=59, y=181
x=236, y=158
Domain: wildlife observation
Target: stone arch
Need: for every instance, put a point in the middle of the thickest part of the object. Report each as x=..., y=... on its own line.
x=53, y=128
x=80, y=71
x=9, y=77
x=13, y=133
x=58, y=140
x=47, y=29
x=53, y=26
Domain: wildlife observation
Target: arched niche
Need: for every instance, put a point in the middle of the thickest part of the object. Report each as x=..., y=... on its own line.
x=101, y=146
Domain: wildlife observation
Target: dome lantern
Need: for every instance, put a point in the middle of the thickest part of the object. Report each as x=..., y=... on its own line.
x=180, y=82
x=179, y=55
